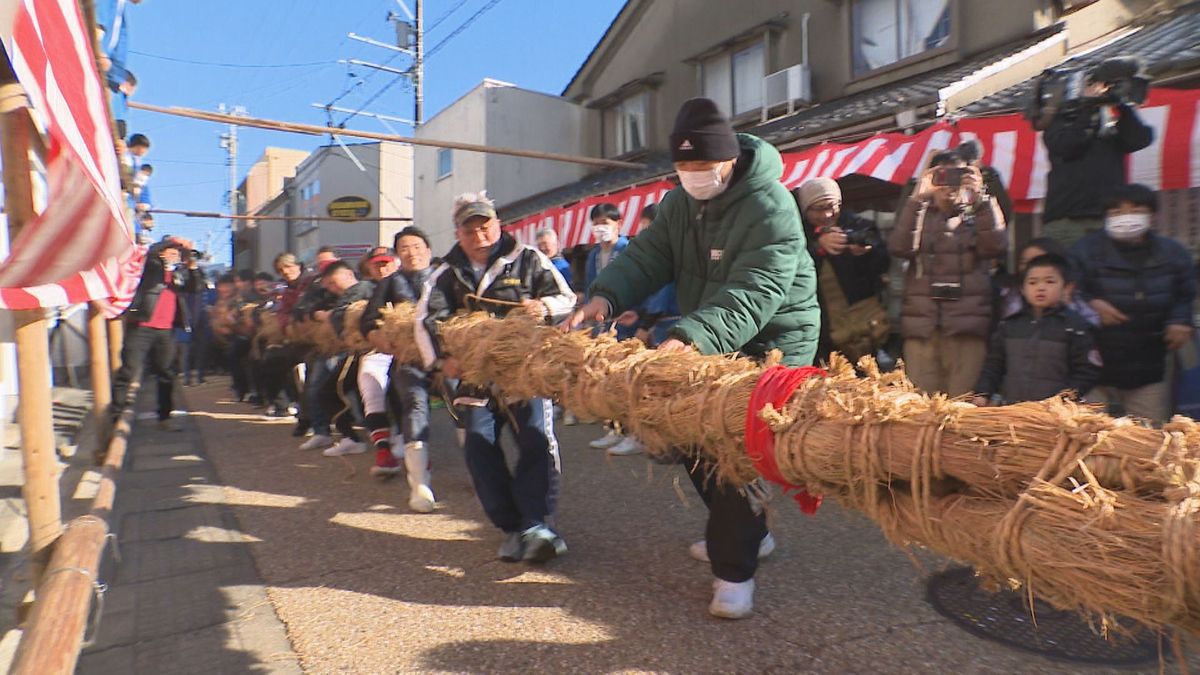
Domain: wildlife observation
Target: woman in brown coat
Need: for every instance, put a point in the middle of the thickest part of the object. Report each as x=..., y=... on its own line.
x=949, y=231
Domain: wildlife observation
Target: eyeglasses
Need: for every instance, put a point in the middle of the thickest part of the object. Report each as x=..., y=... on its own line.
x=477, y=230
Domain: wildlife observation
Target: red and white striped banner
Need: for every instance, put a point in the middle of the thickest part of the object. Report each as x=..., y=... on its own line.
x=80, y=247
x=1010, y=145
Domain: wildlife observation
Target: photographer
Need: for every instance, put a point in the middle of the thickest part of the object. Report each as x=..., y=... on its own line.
x=1088, y=138
x=851, y=260
x=157, y=309
x=949, y=230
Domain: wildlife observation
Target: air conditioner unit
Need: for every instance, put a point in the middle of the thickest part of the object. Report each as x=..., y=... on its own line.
x=787, y=87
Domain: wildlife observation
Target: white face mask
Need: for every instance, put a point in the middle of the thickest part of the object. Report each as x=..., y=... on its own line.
x=604, y=233
x=703, y=185
x=1127, y=226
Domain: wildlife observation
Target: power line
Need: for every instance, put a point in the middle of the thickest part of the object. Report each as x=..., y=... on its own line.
x=463, y=26
x=219, y=64
x=446, y=15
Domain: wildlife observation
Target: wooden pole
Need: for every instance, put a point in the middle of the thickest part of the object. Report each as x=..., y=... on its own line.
x=34, y=413
x=314, y=130
x=226, y=216
x=116, y=339
x=55, y=630
x=100, y=368
x=36, y=421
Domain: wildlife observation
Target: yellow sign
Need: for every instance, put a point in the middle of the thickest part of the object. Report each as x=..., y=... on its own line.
x=349, y=208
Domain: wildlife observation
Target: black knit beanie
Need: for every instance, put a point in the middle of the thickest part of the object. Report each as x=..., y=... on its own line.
x=702, y=133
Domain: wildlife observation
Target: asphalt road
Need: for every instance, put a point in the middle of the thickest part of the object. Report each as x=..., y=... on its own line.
x=363, y=585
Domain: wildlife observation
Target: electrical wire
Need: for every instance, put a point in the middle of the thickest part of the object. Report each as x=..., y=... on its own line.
x=219, y=64
x=445, y=16
x=463, y=26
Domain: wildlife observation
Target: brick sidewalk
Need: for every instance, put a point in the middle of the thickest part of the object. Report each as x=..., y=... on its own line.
x=185, y=596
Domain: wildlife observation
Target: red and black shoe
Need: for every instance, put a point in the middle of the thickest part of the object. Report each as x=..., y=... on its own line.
x=386, y=465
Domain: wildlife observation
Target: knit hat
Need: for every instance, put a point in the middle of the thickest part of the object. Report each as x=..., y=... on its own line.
x=702, y=133
x=817, y=189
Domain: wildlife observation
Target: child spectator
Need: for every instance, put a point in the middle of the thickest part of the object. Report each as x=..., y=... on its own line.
x=1142, y=285
x=1046, y=347
x=1011, y=301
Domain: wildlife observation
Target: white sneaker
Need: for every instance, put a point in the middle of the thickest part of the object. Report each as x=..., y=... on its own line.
x=346, y=446
x=317, y=442
x=416, y=462
x=607, y=441
x=699, y=550
x=732, y=600
x=628, y=446
x=568, y=419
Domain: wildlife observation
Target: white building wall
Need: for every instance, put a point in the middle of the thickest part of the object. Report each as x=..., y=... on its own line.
x=463, y=121
x=529, y=120
x=499, y=115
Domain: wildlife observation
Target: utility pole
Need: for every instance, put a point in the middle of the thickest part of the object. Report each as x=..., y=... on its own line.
x=229, y=143
x=419, y=67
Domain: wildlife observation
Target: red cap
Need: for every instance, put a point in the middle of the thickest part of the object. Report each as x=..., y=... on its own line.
x=382, y=257
x=323, y=264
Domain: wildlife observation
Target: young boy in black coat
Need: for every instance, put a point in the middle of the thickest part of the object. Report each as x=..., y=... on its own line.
x=1044, y=349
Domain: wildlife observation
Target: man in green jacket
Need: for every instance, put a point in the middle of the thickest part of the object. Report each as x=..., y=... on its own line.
x=732, y=241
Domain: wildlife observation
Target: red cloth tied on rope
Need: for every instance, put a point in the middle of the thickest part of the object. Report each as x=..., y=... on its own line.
x=775, y=387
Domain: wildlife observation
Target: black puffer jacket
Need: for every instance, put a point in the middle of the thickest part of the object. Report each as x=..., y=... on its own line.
x=1154, y=284
x=363, y=290
x=152, y=284
x=398, y=287
x=1031, y=358
x=1084, y=167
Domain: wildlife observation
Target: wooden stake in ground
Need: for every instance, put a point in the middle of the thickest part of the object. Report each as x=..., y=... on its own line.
x=34, y=415
x=116, y=338
x=101, y=374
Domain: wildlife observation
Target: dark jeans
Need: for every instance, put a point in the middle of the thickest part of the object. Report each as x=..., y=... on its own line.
x=412, y=387
x=317, y=374
x=275, y=374
x=733, y=531
x=238, y=354
x=528, y=496
x=158, y=346
x=338, y=397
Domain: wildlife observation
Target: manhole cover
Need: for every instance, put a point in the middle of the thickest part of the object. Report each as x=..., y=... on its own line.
x=1003, y=617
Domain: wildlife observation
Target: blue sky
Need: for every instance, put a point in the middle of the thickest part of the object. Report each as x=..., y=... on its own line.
x=537, y=44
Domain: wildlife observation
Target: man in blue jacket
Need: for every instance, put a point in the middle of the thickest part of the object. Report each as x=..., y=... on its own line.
x=1142, y=285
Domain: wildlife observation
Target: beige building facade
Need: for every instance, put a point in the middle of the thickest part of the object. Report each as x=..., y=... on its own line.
x=496, y=114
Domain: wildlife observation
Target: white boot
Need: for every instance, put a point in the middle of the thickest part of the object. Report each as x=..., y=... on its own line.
x=416, y=461
x=732, y=600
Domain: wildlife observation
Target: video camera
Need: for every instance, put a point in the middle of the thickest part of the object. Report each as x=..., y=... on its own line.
x=858, y=232
x=1063, y=90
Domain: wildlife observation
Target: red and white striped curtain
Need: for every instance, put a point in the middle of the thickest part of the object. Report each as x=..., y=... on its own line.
x=1009, y=143
x=80, y=247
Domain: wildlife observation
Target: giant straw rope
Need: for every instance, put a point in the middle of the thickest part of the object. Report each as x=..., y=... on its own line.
x=1087, y=512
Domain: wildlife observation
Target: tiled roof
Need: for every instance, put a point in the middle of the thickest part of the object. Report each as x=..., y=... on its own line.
x=1163, y=45
x=887, y=99
x=916, y=91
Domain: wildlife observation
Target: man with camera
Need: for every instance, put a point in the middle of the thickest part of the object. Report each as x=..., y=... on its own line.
x=1091, y=124
x=949, y=231
x=156, y=311
x=851, y=260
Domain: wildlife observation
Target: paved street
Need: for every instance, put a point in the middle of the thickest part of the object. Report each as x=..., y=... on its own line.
x=362, y=585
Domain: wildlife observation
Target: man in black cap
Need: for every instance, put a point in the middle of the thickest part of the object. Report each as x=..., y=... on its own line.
x=731, y=239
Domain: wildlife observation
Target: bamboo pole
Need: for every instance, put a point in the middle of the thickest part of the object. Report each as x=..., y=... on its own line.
x=99, y=355
x=315, y=130
x=34, y=414
x=226, y=216
x=55, y=630
x=116, y=339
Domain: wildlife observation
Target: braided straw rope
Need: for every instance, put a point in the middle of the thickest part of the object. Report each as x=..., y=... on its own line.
x=1087, y=512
